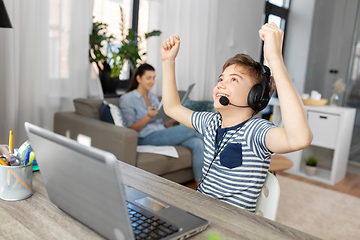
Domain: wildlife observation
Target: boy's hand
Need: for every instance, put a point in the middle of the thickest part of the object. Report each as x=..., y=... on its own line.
x=170, y=48
x=272, y=36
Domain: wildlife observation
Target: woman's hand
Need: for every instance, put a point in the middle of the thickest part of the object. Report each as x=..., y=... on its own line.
x=152, y=111
x=170, y=48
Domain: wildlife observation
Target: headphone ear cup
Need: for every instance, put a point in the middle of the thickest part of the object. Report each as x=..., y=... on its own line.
x=259, y=95
x=254, y=97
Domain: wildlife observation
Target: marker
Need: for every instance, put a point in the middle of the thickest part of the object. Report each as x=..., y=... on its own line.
x=27, y=157
x=10, y=140
x=32, y=156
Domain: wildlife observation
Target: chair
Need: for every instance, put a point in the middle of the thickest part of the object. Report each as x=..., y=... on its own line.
x=268, y=201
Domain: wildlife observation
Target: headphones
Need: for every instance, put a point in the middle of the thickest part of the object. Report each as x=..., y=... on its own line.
x=259, y=95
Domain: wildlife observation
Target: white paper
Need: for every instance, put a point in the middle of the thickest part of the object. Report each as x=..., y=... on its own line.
x=163, y=150
x=160, y=105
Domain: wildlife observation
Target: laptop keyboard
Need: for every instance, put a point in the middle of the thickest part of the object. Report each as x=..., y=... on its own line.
x=147, y=226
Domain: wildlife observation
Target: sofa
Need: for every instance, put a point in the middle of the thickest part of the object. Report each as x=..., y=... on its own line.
x=122, y=141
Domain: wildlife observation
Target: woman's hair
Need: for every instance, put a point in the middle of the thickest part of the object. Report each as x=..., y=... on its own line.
x=252, y=67
x=139, y=72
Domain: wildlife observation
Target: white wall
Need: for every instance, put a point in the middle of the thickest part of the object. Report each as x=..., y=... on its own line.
x=237, y=31
x=318, y=38
x=211, y=33
x=239, y=22
x=331, y=41
x=298, y=32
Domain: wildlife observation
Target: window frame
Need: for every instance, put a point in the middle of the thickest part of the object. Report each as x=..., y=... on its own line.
x=283, y=13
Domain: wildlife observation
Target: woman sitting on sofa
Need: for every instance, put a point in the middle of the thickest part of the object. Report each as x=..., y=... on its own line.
x=139, y=107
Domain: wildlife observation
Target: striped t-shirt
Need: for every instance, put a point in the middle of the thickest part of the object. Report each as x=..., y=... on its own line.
x=239, y=170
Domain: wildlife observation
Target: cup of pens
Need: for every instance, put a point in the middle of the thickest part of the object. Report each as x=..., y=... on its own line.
x=15, y=175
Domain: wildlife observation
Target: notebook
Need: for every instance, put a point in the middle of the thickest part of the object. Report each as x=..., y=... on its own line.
x=183, y=96
x=86, y=183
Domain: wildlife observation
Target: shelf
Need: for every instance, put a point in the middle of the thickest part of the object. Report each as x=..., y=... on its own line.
x=321, y=175
x=332, y=128
x=322, y=146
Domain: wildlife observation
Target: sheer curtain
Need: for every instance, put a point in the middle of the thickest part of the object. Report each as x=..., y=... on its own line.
x=195, y=22
x=44, y=62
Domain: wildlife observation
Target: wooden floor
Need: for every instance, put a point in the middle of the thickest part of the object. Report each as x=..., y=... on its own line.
x=349, y=185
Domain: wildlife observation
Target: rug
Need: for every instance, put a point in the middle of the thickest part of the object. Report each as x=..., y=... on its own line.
x=318, y=211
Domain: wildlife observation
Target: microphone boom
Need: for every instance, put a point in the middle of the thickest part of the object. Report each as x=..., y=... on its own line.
x=225, y=101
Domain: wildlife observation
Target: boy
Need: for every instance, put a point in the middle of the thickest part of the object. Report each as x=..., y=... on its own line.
x=238, y=147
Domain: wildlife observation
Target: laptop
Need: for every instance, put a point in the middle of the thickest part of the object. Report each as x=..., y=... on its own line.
x=183, y=96
x=86, y=183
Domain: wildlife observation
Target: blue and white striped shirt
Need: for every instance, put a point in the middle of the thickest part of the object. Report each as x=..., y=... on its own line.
x=239, y=170
x=133, y=108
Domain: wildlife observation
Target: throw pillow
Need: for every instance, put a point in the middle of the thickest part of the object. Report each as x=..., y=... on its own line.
x=111, y=113
x=105, y=114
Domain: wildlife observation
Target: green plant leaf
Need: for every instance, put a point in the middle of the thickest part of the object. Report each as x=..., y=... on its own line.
x=153, y=33
x=107, y=59
x=311, y=161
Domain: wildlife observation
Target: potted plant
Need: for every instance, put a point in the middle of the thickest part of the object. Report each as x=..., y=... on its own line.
x=110, y=59
x=311, y=165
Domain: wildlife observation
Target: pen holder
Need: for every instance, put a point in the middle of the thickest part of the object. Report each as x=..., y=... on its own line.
x=15, y=182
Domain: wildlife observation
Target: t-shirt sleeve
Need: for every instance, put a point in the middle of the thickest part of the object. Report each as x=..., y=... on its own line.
x=200, y=120
x=257, y=135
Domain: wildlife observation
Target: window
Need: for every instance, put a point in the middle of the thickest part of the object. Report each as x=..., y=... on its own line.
x=280, y=3
x=108, y=11
x=276, y=11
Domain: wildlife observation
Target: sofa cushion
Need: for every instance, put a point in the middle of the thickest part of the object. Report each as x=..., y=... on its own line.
x=111, y=113
x=88, y=107
x=114, y=101
x=161, y=164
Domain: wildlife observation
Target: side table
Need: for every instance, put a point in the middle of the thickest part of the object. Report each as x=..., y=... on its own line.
x=279, y=163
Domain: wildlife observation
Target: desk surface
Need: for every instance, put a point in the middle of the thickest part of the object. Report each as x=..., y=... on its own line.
x=37, y=218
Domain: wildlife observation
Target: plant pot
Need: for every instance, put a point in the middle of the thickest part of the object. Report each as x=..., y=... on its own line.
x=310, y=170
x=109, y=84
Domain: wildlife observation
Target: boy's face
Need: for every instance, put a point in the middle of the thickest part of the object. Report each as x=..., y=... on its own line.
x=235, y=84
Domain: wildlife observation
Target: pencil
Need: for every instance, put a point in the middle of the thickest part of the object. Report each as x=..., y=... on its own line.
x=18, y=178
x=3, y=162
x=8, y=179
x=8, y=173
x=10, y=140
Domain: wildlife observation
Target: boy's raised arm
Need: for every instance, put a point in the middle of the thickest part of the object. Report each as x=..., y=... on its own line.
x=295, y=134
x=171, y=101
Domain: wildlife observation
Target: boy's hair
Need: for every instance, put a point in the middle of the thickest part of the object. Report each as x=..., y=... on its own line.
x=139, y=72
x=252, y=67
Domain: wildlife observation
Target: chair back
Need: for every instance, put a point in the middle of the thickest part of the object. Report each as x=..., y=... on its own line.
x=268, y=201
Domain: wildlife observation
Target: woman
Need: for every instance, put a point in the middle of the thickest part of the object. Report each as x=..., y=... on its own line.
x=139, y=108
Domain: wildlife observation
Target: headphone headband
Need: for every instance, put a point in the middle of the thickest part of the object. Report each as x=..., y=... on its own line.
x=259, y=95
x=265, y=69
